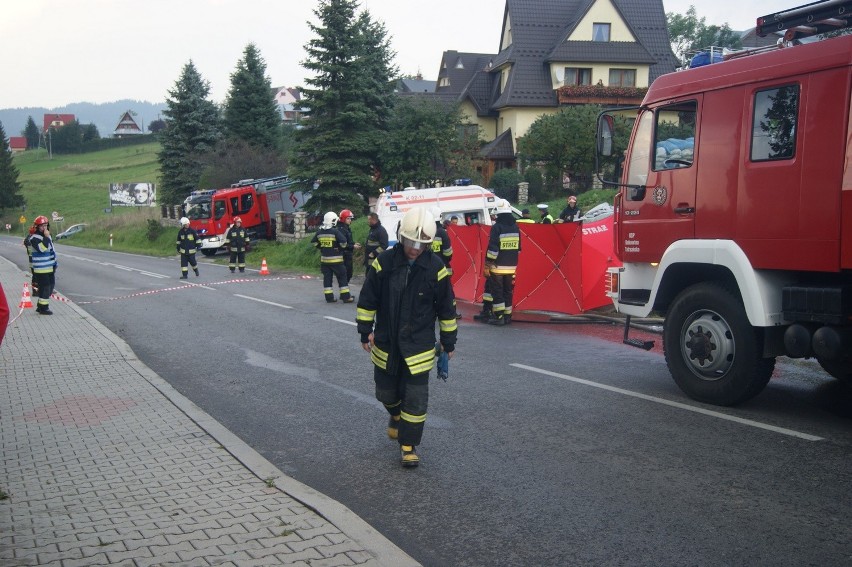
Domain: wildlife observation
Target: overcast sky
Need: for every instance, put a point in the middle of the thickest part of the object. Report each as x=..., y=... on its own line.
x=58, y=52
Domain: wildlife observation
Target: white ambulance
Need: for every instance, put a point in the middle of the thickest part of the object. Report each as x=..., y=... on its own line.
x=472, y=204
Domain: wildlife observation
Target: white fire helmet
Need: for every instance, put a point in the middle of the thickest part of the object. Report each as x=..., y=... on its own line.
x=184, y=221
x=329, y=220
x=417, y=228
x=436, y=212
x=503, y=206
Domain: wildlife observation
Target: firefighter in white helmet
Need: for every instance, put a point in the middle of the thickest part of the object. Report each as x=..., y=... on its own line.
x=187, y=243
x=331, y=244
x=501, y=261
x=406, y=289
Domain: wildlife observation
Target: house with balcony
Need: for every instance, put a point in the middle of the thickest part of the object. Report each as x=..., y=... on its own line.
x=554, y=53
x=56, y=121
x=127, y=126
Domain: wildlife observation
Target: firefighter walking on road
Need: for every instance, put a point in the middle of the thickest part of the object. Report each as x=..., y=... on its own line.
x=406, y=289
x=331, y=244
x=187, y=244
x=44, y=263
x=501, y=260
x=237, y=242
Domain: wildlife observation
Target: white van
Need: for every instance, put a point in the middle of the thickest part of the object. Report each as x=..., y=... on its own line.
x=470, y=203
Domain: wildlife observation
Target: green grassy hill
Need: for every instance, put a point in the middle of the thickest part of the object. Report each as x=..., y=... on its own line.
x=77, y=187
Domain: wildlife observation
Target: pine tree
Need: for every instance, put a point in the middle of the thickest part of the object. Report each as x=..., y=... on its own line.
x=250, y=113
x=9, y=187
x=193, y=128
x=31, y=133
x=348, y=104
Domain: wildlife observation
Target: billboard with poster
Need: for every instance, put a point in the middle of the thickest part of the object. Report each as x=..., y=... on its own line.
x=132, y=195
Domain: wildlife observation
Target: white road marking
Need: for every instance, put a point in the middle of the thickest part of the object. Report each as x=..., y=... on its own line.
x=711, y=413
x=263, y=301
x=112, y=265
x=353, y=323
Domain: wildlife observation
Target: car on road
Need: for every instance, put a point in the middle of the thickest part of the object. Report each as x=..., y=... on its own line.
x=71, y=231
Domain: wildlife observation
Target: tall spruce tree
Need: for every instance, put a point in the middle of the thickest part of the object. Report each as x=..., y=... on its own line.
x=193, y=128
x=348, y=103
x=9, y=187
x=31, y=133
x=250, y=112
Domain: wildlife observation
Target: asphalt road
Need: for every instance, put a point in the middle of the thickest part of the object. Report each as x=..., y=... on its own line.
x=549, y=445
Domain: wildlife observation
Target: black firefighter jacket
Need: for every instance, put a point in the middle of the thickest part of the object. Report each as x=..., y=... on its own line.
x=403, y=303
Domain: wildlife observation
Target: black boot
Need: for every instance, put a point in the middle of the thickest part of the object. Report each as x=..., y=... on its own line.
x=483, y=316
x=498, y=320
x=196, y=272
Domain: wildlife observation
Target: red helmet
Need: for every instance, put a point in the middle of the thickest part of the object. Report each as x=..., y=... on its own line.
x=237, y=219
x=346, y=214
x=40, y=220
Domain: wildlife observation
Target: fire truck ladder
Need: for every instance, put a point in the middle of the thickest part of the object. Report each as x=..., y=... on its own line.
x=807, y=20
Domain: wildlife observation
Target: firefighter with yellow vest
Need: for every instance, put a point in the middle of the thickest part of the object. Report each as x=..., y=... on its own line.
x=406, y=289
x=501, y=262
x=331, y=244
x=237, y=241
x=44, y=263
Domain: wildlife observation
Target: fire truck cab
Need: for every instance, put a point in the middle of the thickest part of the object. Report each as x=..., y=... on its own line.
x=734, y=217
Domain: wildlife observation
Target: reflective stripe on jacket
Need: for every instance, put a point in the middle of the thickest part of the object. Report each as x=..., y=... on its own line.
x=331, y=244
x=399, y=303
x=43, y=254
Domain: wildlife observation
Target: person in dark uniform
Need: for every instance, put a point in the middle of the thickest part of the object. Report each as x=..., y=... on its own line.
x=331, y=244
x=187, y=244
x=344, y=220
x=406, y=290
x=571, y=212
x=44, y=263
x=525, y=217
x=377, y=240
x=237, y=241
x=501, y=258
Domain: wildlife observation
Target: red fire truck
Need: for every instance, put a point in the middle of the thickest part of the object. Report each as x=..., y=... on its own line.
x=734, y=217
x=255, y=201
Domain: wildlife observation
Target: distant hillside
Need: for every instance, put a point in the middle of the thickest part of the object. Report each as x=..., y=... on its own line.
x=105, y=116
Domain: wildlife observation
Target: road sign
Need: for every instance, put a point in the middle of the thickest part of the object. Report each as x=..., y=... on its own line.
x=8, y=226
x=22, y=220
x=55, y=215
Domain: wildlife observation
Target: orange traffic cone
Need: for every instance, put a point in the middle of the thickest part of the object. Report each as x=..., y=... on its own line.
x=264, y=271
x=26, y=301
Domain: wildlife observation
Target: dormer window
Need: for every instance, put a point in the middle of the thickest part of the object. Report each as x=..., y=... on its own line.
x=600, y=32
x=459, y=64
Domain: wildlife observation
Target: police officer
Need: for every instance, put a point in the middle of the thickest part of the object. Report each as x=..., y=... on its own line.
x=525, y=217
x=187, y=243
x=546, y=218
x=44, y=263
x=406, y=290
x=501, y=259
x=237, y=242
x=345, y=219
x=331, y=243
x=377, y=239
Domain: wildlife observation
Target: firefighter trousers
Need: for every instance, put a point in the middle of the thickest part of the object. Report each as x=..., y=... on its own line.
x=45, y=283
x=502, y=289
x=330, y=271
x=237, y=260
x=407, y=396
x=185, y=260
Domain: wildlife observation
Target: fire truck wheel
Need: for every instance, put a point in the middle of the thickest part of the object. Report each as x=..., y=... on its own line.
x=712, y=351
x=209, y=252
x=841, y=370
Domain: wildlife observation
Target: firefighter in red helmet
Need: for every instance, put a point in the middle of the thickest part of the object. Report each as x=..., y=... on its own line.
x=44, y=263
x=344, y=220
x=237, y=241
